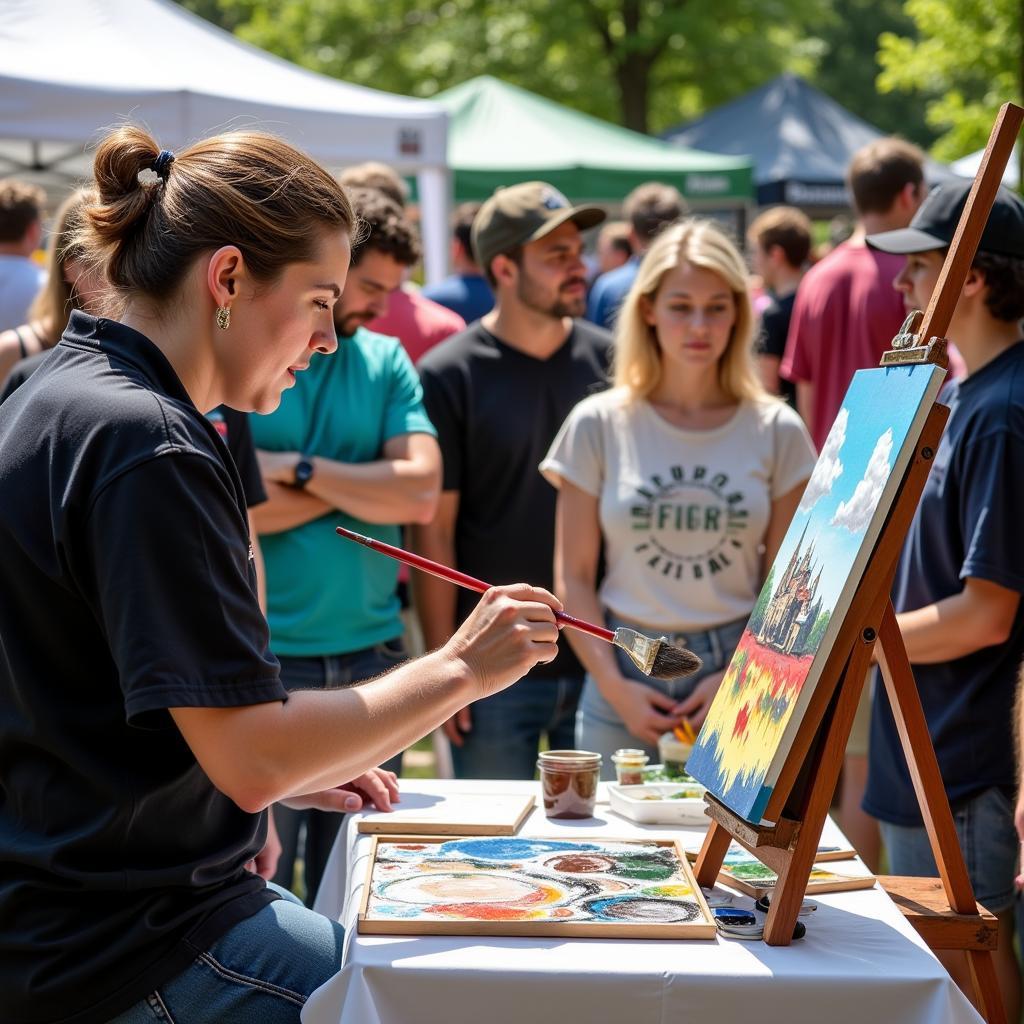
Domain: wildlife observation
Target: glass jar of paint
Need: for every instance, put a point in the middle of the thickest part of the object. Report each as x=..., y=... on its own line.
x=629, y=766
x=568, y=782
x=674, y=754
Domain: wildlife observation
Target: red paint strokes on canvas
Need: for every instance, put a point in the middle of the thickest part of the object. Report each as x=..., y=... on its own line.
x=742, y=717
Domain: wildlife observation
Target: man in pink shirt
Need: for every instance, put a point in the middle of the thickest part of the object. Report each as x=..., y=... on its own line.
x=847, y=310
x=416, y=321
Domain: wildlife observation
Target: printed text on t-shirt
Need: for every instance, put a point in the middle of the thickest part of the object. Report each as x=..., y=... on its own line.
x=690, y=521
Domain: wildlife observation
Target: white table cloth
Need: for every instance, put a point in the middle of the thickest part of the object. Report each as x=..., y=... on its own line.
x=859, y=963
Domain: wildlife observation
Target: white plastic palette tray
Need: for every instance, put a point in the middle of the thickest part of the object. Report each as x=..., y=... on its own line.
x=657, y=803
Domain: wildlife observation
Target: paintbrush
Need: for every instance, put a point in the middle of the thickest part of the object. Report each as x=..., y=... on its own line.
x=656, y=658
x=684, y=732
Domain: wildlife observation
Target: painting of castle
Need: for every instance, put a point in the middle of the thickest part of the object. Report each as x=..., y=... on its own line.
x=794, y=608
x=757, y=712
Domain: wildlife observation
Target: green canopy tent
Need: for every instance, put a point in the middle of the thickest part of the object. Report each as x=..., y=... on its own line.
x=499, y=134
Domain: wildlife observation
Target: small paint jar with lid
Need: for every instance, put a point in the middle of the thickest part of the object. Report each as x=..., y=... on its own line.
x=674, y=754
x=568, y=782
x=629, y=766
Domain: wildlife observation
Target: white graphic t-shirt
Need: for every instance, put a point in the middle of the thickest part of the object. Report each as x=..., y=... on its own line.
x=683, y=512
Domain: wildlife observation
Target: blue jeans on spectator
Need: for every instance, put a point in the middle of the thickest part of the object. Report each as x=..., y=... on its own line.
x=598, y=725
x=988, y=839
x=262, y=970
x=504, y=737
x=325, y=673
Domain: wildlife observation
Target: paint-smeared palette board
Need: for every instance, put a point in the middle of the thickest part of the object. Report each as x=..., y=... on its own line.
x=823, y=854
x=454, y=815
x=822, y=880
x=701, y=928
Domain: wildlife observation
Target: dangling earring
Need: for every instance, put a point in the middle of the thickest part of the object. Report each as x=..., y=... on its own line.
x=223, y=317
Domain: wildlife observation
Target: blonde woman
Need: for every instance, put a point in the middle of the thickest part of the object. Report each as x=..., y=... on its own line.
x=685, y=475
x=70, y=284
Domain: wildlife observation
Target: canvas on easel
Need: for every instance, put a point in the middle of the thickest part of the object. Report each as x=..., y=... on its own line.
x=795, y=805
x=754, y=719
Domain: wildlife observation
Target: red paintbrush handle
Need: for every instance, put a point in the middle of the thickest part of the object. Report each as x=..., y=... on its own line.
x=461, y=578
x=585, y=627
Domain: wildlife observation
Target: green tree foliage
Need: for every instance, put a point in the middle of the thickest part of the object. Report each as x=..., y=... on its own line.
x=817, y=631
x=849, y=66
x=757, y=615
x=645, y=63
x=965, y=62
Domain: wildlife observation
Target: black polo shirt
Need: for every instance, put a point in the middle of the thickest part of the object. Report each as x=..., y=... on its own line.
x=232, y=426
x=126, y=588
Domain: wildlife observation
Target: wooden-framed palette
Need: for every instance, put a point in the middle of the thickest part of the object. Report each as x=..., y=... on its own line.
x=756, y=879
x=737, y=853
x=454, y=814
x=532, y=886
x=742, y=871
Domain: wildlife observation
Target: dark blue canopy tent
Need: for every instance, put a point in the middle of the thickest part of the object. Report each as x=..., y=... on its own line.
x=799, y=139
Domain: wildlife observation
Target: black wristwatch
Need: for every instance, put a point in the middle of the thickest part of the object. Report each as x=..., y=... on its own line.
x=303, y=472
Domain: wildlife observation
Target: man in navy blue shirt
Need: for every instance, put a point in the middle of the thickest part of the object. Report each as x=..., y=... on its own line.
x=465, y=292
x=961, y=574
x=648, y=208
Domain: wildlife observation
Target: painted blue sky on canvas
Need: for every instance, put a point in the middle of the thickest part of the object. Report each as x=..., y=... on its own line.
x=852, y=469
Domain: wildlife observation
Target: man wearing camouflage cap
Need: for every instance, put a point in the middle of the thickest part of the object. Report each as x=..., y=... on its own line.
x=497, y=394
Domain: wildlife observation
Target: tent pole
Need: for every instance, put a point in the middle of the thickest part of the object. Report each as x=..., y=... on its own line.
x=434, y=186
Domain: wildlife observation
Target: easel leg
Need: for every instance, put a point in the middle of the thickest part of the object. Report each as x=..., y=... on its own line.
x=986, y=985
x=931, y=797
x=712, y=855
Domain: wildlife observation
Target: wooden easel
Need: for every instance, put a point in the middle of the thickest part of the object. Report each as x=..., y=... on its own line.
x=800, y=800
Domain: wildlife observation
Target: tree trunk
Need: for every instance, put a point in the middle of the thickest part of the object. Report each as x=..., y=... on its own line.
x=633, y=74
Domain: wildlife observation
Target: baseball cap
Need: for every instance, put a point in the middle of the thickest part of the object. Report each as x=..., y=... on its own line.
x=523, y=213
x=936, y=220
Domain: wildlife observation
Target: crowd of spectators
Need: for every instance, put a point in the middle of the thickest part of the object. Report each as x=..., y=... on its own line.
x=531, y=417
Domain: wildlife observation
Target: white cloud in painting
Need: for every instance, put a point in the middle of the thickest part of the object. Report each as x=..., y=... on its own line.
x=856, y=513
x=828, y=468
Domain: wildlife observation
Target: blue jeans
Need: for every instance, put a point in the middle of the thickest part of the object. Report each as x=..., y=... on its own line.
x=262, y=970
x=598, y=726
x=321, y=827
x=504, y=737
x=988, y=839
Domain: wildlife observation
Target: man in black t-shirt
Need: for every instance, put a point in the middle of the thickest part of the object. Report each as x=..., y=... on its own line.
x=780, y=244
x=497, y=394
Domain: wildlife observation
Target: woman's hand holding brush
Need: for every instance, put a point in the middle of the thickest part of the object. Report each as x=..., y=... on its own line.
x=511, y=629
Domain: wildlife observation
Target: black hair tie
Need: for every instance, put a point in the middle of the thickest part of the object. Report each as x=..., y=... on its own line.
x=162, y=164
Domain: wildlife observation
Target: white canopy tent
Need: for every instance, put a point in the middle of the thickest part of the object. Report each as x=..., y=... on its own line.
x=967, y=166
x=70, y=68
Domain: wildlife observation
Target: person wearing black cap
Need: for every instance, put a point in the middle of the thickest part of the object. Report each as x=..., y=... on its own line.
x=497, y=394
x=961, y=573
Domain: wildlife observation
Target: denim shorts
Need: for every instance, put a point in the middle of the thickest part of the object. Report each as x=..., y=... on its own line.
x=988, y=839
x=506, y=727
x=598, y=726
x=262, y=970
x=335, y=671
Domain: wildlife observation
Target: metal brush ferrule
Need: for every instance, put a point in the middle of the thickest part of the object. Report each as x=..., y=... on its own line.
x=642, y=650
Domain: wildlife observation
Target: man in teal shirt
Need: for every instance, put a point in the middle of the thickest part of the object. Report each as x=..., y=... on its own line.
x=350, y=445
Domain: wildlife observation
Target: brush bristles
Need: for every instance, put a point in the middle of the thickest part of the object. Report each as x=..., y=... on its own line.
x=672, y=662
